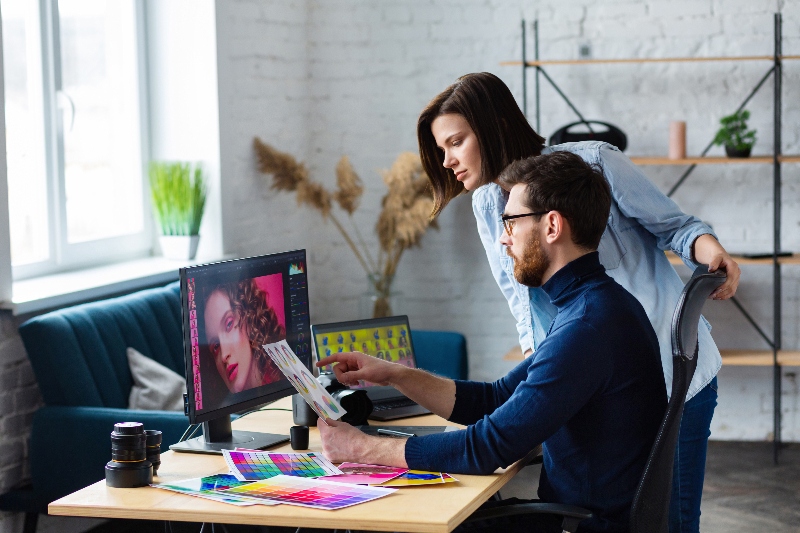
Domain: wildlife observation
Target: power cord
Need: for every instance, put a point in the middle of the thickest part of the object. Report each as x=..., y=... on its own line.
x=192, y=429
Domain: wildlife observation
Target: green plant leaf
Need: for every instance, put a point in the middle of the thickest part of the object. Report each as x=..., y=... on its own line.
x=178, y=191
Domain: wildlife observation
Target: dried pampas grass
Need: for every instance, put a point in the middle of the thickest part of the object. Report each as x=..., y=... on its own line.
x=404, y=218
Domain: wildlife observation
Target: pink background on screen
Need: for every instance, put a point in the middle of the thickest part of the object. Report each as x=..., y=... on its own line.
x=273, y=286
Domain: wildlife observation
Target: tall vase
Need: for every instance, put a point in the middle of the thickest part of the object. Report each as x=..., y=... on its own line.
x=379, y=300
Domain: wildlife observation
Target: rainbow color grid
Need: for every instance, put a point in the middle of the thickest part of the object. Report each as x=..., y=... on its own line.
x=255, y=466
x=305, y=492
x=206, y=487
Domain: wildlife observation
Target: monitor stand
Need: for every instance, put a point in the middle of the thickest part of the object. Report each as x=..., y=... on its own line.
x=217, y=436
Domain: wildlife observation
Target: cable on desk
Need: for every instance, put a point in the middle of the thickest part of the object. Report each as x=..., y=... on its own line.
x=192, y=428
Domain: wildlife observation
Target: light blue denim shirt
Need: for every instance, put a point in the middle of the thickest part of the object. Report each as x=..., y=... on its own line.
x=643, y=222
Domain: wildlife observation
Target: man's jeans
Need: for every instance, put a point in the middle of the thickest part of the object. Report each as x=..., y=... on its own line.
x=690, y=461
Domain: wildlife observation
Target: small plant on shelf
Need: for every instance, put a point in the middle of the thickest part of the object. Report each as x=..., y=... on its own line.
x=734, y=135
x=178, y=191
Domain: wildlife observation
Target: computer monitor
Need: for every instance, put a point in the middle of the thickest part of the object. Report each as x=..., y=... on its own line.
x=230, y=309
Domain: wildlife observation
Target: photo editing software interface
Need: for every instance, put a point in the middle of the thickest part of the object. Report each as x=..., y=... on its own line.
x=231, y=310
x=388, y=339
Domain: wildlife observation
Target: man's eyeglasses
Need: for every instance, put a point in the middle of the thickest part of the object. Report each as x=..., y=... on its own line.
x=508, y=220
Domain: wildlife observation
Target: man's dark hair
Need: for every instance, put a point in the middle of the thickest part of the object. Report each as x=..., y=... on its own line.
x=504, y=134
x=562, y=181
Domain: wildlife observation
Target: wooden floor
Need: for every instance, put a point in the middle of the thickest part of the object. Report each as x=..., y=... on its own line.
x=744, y=492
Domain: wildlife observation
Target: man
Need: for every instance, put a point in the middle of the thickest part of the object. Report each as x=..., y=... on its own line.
x=592, y=394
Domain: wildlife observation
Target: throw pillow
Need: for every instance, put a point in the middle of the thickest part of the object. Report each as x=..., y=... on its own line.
x=155, y=387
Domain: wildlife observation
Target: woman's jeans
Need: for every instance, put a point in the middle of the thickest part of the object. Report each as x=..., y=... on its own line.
x=690, y=461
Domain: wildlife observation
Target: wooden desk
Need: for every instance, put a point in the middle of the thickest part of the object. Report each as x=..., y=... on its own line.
x=437, y=508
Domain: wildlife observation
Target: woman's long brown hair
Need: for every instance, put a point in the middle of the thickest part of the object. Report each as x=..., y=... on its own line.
x=501, y=128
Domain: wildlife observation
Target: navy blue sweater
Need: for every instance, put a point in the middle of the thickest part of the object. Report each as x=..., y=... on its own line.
x=592, y=394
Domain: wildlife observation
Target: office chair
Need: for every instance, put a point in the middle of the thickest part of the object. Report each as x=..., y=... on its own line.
x=650, y=508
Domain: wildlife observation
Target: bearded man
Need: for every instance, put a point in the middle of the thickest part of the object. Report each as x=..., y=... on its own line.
x=592, y=394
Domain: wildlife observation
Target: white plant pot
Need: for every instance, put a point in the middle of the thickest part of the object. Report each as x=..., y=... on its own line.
x=181, y=247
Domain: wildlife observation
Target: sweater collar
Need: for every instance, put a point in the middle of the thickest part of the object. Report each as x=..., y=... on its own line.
x=562, y=286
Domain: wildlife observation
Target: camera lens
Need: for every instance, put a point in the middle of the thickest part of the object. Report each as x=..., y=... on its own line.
x=356, y=403
x=153, y=448
x=129, y=466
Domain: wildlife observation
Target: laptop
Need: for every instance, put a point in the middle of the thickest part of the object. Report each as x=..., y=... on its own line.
x=386, y=338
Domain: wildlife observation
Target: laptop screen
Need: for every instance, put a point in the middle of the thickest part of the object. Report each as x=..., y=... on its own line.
x=385, y=338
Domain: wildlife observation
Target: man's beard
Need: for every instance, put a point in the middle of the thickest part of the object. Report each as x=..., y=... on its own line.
x=530, y=268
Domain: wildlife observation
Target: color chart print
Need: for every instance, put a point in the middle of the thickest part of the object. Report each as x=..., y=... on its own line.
x=414, y=478
x=205, y=487
x=254, y=466
x=362, y=474
x=306, y=492
x=302, y=380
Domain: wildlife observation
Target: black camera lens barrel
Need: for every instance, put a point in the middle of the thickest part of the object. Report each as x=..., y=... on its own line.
x=129, y=466
x=153, y=449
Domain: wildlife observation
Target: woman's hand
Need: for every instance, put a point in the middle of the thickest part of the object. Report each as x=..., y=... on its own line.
x=353, y=367
x=707, y=250
x=725, y=262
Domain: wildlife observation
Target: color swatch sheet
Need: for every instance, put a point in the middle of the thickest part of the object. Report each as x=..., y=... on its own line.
x=205, y=487
x=360, y=474
x=414, y=478
x=306, y=384
x=315, y=493
x=255, y=466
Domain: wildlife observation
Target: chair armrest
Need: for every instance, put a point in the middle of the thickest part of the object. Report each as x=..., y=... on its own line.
x=572, y=514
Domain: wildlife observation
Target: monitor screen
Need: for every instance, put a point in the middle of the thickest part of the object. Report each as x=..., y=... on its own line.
x=386, y=338
x=231, y=309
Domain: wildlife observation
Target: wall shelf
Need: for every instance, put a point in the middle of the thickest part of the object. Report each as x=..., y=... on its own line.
x=729, y=357
x=553, y=62
x=761, y=159
x=793, y=259
x=759, y=357
x=775, y=357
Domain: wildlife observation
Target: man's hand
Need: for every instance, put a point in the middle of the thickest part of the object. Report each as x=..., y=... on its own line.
x=355, y=366
x=341, y=443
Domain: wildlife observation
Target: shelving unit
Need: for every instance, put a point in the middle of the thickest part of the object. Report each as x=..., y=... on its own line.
x=775, y=356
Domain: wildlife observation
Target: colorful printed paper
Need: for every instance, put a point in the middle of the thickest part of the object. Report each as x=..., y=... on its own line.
x=360, y=474
x=305, y=492
x=414, y=478
x=256, y=465
x=306, y=384
x=449, y=479
x=205, y=487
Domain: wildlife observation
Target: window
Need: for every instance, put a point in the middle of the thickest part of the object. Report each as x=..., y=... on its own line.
x=74, y=107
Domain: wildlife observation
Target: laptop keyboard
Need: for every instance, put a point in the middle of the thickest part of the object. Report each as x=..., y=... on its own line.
x=393, y=404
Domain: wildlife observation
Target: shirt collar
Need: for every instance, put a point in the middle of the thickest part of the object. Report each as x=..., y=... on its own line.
x=561, y=286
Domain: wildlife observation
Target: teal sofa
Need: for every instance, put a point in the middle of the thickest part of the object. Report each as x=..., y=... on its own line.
x=79, y=357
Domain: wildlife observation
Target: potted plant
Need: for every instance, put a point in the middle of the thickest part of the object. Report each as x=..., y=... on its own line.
x=178, y=190
x=734, y=135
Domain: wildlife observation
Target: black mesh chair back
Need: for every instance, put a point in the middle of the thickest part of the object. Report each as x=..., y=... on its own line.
x=650, y=509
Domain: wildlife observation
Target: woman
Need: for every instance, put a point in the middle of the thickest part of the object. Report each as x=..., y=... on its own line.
x=470, y=132
x=238, y=322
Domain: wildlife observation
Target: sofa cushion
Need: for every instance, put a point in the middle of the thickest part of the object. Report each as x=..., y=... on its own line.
x=155, y=387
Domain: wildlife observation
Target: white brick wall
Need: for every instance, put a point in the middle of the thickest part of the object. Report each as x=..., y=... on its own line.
x=371, y=67
x=323, y=78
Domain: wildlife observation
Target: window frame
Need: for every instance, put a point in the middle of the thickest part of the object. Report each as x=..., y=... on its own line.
x=62, y=254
